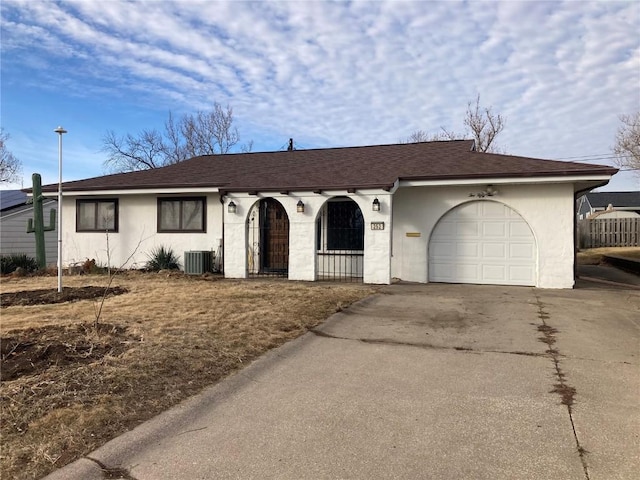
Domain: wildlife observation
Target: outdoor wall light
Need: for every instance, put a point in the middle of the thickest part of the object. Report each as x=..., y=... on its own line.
x=300, y=207
x=490, y=191
x=376, y=205
x=231, y=208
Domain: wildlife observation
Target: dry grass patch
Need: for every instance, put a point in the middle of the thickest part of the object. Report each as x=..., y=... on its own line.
x=594, y=256
x=165, y=339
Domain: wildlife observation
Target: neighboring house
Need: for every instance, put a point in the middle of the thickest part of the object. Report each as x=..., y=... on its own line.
x=15, y=212
x=593, y=202
x=612, y=213
x=419, y=212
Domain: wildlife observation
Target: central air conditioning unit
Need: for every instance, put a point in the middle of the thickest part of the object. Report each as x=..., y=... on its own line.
x=198, y=262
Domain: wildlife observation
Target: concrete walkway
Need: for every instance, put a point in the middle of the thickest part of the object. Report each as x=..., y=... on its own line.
x=420, y=381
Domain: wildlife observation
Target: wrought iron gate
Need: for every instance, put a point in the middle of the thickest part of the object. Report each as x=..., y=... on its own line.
x=340, y=241
x=268, y=250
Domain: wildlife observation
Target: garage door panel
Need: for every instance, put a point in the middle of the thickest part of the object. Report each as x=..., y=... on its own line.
x=482, y=242
x=494, y=273
x=472, y=210
x=492, y=209
x=523, y=251
x=519, y=229
x=494, y=251
x=443, y=250
x=448, y=229
x=467, y=249
x=442, y=271
x=494, y=229
x=467, y=228
x=467, y=273
x=520, y=274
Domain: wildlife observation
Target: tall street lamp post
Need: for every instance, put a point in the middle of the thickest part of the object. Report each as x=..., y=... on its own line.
x=60, y=131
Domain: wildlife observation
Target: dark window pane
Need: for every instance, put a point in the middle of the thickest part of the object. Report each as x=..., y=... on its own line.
x=345, y=226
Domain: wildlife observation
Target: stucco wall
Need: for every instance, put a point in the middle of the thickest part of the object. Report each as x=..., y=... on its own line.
x=137, y=234
x=302, y=231
x=548, y=209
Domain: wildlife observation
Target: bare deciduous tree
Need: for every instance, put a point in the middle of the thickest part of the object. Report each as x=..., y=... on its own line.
x=627, y=147
x=422, y=136
x=485, y=126
x=479, y=121
x=128, y=152
x=202, y=133
x=10, y=166
x=209, y=133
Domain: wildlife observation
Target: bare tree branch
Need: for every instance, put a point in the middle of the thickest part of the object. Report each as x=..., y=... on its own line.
x=129, y=153
x=111, y=274
x=175, y=149
x=10, y=166
x=209, y=133
x=422, y=136
x=484, y=125
x=627, y=146
x=203, y=133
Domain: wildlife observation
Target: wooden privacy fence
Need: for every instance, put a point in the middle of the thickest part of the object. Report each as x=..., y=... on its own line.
x=609, y=232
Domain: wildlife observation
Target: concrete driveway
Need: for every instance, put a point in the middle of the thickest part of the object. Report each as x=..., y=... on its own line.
x=419, y=381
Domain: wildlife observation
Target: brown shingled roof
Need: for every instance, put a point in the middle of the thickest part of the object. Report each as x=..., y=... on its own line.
x=376, y=166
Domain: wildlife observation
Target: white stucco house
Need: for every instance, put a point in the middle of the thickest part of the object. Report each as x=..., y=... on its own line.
x=420, y=212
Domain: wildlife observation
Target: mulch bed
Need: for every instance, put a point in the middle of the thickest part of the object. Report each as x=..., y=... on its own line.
x=51, y=295
x=35, y=350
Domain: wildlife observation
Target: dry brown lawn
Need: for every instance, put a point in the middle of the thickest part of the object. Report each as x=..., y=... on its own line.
x=67, y=389
x=594, y=256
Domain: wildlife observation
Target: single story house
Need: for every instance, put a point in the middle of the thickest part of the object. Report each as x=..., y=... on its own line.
x=15, y=212
x=613, y=213
x=419, y=212
x=593, y=202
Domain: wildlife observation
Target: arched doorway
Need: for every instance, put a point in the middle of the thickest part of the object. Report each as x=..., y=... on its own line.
x=340, y=241
x=483, y=242
x=268, y=239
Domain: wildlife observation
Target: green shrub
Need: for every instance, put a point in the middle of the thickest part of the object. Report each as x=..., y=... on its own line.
x=162, y=258
x=9, y=263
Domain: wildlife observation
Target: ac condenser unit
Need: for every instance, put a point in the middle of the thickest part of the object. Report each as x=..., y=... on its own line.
x=198, y=262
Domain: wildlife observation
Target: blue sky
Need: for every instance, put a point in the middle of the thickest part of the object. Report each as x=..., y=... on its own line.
x=325, y=73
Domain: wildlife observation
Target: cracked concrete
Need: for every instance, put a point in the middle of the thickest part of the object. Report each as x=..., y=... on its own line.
x=112, y=473
x=437, y=381
x=567, y=392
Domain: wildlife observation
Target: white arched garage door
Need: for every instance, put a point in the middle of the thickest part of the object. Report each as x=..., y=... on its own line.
x=482, y=242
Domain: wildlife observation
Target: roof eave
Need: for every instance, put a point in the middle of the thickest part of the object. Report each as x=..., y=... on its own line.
x=128, y=189
x=310, y=188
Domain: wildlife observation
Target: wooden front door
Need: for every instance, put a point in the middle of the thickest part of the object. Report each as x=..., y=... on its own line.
x=275, y=237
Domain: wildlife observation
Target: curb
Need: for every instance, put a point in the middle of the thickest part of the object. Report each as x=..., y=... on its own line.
x=608, y=282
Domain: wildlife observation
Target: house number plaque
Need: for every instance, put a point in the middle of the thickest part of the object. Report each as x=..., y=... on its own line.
x=377, y=225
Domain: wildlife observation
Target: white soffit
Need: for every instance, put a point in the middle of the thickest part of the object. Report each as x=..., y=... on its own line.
x=505, y=180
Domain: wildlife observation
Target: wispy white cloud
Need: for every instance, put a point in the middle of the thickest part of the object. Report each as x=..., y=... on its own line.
x=344, y=73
